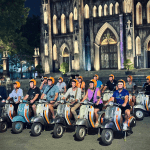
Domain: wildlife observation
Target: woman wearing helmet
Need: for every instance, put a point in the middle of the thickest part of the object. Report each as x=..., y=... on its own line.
x=61, y=85
x=99, y=83
x=146, y=86
x=75, y=95
x=16, y=94
x=131, y=87
x=122, y=97
x=81, y=84
x=51, y=92
x=93, y=94
x=43, y=85
x=111, y=84
x=33, y=94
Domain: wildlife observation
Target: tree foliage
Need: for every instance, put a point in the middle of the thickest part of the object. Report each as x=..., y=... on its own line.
x=128, y=64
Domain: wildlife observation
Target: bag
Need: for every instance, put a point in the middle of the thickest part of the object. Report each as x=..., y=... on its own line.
x=92, y=96
x=48, y=90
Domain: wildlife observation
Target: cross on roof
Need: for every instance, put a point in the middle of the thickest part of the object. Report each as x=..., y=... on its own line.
x=45, y=33
x=128, y=23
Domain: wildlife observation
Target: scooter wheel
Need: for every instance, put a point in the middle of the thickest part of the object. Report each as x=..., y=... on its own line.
x=139, y=114
x=58, y=130
x=36, y=129
x=3, y=126
x=107, y=136
x=80, y=132
x=17, y=127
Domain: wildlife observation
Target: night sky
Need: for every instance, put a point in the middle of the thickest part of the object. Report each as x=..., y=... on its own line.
x=34, y=6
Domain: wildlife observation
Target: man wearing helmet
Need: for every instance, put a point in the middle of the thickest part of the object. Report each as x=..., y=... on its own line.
x=93, y=94
x=111, y=84
x=43, y=85
x=16, y=95
x=33, y=95
x=51, y=92
x=131, y=87
x=122, y=97
x=146, y=86
x=61, y=85
x=99, y=83
x=75, y=95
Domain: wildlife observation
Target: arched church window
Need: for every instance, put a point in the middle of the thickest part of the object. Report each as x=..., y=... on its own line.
x=117, y=8
x=100, y=11
x=63, y=23
x=76, y=47
x=86, y=11
x=55, y=29
x=45, y=17
x=94, y=11
x=105, y=10
x=111, y=9
x=129, y=42
x=71, y=22
x=54, y=52
x=148, y=12
x=75, y=14
x=46, y=49
x=138, y=13
x=65, y=52
x=138, y=46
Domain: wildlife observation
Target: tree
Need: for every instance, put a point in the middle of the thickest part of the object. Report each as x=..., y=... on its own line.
x=13, y=15
x=128, y=65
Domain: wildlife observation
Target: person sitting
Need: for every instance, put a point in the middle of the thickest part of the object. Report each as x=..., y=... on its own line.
x=111, y=84
x=131, y=87
x=75, y=95
x=61, y=85
x=3, y=96
x=33, y=95
x=146, y=86
x=81, y=84
x=51, y=92
x=16, y=94
x=122, y=97
x=99, y=83
x=43, y=85
x=93, y=94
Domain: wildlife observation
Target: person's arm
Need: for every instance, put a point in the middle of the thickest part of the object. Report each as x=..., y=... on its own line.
x=35, y=98
x=25, y=98
x=42, y=96
x=41, y=85
x=85, y=97
x=64, y=89
x=55, y=98
x=101, y=87
x=105, y=87
x=8, y=98
x=111, y=99
x=66, y=94
x=19, y=97
x=125, y=101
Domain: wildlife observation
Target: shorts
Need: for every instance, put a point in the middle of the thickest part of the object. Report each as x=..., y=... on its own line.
x=99, y=106
x=123, y=109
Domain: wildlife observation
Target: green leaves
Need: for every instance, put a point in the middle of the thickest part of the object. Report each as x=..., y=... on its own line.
x=128, y=64
x=64, y=68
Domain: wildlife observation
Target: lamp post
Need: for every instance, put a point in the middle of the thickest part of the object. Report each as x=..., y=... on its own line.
x=5, y=64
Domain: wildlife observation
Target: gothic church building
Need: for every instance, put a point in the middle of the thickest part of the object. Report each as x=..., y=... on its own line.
x=94, y=34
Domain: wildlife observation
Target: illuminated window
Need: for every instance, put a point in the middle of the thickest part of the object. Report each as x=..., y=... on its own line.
x=75, y=14
x=94, y=11
x=129, y=43
x=55, y=29
x=100, y=11
x=76, y=47
x=138, y=46
x=86, y=11
x=63, y=23
x=105, y=10
x=111, y=9
x=71, y=22
x=138, y=13
x=148, y=12
x=117, y=8
x=54, y=52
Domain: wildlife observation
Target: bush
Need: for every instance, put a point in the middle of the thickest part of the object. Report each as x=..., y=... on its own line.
x=64, y=68
x=128, y=65
x=39, y=69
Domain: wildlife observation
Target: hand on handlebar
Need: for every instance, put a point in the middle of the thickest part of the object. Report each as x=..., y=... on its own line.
x=124, y=105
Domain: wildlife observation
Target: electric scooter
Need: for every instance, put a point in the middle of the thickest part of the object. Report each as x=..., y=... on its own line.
x=7, y=116
x=112, y=123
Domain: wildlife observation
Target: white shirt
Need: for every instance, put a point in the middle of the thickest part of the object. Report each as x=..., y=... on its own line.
x=15, y=95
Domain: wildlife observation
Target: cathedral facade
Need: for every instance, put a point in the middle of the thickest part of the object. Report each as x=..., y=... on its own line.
x=94, y=34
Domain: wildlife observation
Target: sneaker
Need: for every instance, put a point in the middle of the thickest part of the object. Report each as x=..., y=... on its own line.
x=125, y=126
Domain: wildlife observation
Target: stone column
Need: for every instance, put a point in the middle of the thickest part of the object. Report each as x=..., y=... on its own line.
x=5, y=64
x=36, y=57
x=97, y=58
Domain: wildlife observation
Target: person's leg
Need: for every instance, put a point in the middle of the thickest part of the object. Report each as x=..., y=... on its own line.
x=52, y=110
x=134, y=100
x=34, y=109
x=1, y=107
x=73, y=110
x=127, y=115
x=96, y=115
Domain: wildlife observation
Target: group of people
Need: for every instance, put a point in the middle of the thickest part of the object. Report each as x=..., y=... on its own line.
x=75, y=93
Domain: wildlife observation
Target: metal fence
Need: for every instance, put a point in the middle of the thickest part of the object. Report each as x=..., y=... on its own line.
x=17, y=75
